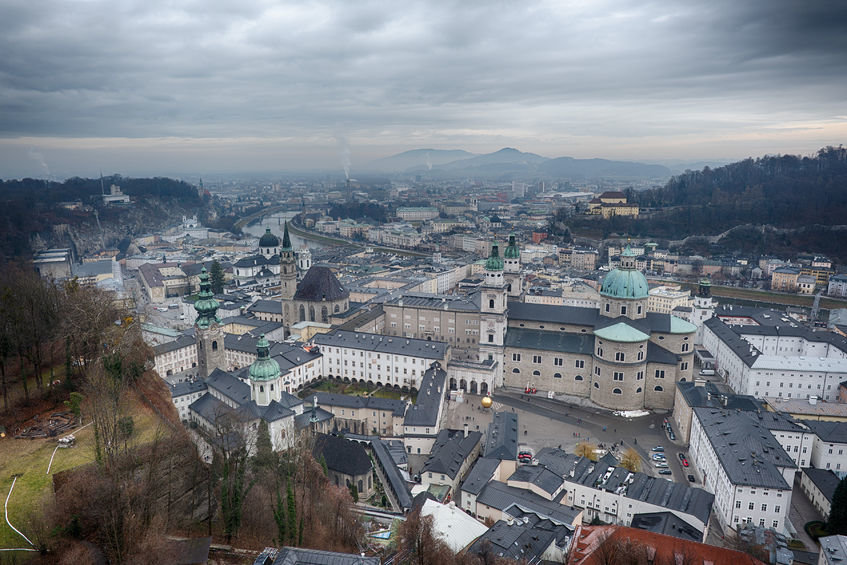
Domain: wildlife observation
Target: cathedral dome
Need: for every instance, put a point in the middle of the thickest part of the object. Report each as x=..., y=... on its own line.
x=264, y=368
x=269, y=239
x=625, y=282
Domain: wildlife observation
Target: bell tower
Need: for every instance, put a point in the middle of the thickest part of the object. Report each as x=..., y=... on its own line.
x=287, y=267
x=207, y=330
x=492, y=318
x=512, y=267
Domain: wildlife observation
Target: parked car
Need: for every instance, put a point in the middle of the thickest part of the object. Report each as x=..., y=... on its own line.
x=685, y=462
x=665, y=472
x=681, y=456
x=658, y=449
x=672, y=436
x=658, y=457
x=691, y=479
x=660, y=465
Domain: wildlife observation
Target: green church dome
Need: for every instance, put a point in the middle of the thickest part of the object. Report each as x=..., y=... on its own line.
x=206, y=305
x=269, y=239
x=625, y=283
x=264, y=368
x=512, y=251
x=494, y=262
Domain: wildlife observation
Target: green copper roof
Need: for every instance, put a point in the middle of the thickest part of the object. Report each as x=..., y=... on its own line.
x=494, y=262
x=680, y=326
x=286, y=239
x=264, y=368
x=269, y=239
x=206, y=305
x=625, y=283
x=621, y=332
x=512, y=251
x=628, y=252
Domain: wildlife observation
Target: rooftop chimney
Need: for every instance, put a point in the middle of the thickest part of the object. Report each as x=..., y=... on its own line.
x=466, y=430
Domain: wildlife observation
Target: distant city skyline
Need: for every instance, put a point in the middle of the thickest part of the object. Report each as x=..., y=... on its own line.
x=145, y=88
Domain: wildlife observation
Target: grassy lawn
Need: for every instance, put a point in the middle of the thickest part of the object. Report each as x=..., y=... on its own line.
x=353, y=389
x=29, y=460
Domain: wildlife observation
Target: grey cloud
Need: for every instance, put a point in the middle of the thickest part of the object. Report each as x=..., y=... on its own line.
x=230, y=69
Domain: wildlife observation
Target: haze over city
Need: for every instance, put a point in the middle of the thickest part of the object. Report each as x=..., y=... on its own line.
x=156, y=88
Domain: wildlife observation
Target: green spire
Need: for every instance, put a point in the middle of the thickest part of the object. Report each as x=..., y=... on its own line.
x=286, y=240
x=512, y=251
x=494, y=262
x=264, y=368
x=206, y=305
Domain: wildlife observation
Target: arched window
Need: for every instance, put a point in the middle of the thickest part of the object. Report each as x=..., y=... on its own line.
x=620, y=356
x=214, y=345
x=557, y=375
x=335, y=310
x=261, y=388
x=311, y=313
x=516, y=370
x=640, y=355
x=536, y=373
x=658, y=388
x=684, y=347
x=302, y=313
x=638, y=390
x=491, y=303
x=617, y=391
x=596, y=385
x=324, y=314
x=578, y=378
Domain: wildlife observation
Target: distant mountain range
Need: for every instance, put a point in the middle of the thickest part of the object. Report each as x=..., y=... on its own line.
x=509, y=163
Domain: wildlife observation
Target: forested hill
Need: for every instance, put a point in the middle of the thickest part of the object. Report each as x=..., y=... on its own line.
x=31, y=214
x=783, y=191
x=44, y=193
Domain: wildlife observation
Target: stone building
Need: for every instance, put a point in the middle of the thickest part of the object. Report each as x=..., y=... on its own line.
x=347, y=463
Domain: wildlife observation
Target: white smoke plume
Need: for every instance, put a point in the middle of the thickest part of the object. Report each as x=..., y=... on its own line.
x=428, y=162
x=344, y=151
x=39, y=158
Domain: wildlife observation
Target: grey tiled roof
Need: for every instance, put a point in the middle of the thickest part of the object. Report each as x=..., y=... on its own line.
x=392, y=473
x=745, y=447
x=553, y=314
x=302, y=556
x=425, y=410
x=384, y=344
x=187, y=387
x=538, y=475
x=580, y=344
x=523, y=539
x=229, y=386
x=711, y=396
x=266, y=306
x=480, y=474
x=342, y=455
x=825, y=480
x=658, y=354
x=501, y=496
x=830, y=432
x=448, y=302
x=666, y=523
x=501, y=442
x=318, y=284
x=178, y=343
x=449, y=452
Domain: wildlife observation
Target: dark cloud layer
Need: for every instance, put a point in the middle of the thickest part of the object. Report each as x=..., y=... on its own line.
x=612, y=78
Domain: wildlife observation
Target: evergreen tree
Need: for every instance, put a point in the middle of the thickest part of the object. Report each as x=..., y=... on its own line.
x=292, y=513
x=216, y=277
x=837, y=523
x=264, y=448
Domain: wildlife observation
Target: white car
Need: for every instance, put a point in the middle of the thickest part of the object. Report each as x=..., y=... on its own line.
x=660, y=464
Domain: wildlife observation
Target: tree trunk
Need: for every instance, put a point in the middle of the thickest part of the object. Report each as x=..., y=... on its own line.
x=22, y=373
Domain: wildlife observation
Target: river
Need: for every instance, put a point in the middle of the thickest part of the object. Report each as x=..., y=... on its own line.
x=276, y=223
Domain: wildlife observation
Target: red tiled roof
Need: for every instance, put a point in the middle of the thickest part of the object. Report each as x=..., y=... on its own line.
x=659, y=547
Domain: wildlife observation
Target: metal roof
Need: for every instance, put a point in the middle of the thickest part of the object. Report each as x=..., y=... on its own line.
x=622, y=333
x=553, y=314
x=480, y=474
x=501, y=442
x=384, y=344
x=424, y=412
x=582, y=344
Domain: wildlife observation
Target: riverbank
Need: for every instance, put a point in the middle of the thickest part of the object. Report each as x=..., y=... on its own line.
x=334, y=241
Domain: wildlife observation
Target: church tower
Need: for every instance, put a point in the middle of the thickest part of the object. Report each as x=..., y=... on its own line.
x=287, y=267
x=304, y=262
x=512, y=268
x=704, y=308
x=207, y=330
x=492, y=319
x=264, y=375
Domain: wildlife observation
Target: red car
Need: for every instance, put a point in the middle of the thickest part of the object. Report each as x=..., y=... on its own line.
x=685, y=462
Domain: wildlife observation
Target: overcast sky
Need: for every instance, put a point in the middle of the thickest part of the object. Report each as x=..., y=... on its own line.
x=161, y=87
